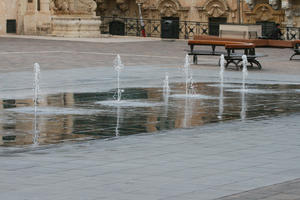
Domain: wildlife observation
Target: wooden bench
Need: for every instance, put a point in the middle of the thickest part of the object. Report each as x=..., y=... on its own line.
x=236, y=58
x=259, y=43
x=212, y=52
x=231, y=56
x=296, y=49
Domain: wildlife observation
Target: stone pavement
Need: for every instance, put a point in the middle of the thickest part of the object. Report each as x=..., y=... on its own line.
x=201, y=163
x=18, y=53
x=207, y=162
x=289, y=190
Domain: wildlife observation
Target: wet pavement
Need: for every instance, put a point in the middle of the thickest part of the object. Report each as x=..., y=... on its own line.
x=78, y=116
x=217, y=143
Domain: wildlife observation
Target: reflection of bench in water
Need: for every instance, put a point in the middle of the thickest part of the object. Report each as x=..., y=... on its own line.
x=296, y=49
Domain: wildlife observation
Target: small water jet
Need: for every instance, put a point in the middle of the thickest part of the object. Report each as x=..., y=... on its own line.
x=244, y=89
x=245, y=72
x=221, y=96
x=166, y=87
x=189, y=83
x=36, y=88
x=118, y=122
x=243, y=107
x=118, y=65
x=166, y=93
x=222, y=68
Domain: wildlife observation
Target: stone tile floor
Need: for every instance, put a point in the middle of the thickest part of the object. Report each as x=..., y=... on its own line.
x=213, y=161
x=201, y=163
x=289, y=190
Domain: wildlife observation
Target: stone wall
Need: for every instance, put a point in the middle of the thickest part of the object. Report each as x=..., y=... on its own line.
x=8, y=11
x=37, y=20
x=201, y=10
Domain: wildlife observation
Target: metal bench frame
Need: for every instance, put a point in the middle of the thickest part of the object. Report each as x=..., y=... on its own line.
x=296, y=50
x=236, y=59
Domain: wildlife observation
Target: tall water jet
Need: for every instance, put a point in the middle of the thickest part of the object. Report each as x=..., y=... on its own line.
x=118, y=65
x=36, y=88
x=166, y=87
x=245, y=72
x=243, y=107
x=118, y=122
x=189, y=84
x=166, y=93
x=221, y=96
x=244, y=89
x=222, y=68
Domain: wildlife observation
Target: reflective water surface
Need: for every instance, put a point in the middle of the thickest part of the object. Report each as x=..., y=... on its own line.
x=84, y=116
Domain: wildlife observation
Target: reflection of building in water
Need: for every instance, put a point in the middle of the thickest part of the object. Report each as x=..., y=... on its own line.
x=16, y=128
x=19, y=129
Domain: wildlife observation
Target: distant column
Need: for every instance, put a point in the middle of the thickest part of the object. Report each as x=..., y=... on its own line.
x=31, y=6
x=286, y=5
x=45, y=5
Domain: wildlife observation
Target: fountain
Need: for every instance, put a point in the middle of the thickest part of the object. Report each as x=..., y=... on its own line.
x=36, y=88
x=189, y=85
x=118, y=122
x=118, y=65
x=245, y=73
x=166, y=93
x=243, y=107
x=244, y=89
x=222, y=68
x=221, y=97
x=166, y=87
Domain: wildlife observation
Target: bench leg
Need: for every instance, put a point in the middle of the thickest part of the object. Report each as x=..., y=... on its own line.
x=235, y=63
x=293, y=56
x=195, y=59
x=257, y=63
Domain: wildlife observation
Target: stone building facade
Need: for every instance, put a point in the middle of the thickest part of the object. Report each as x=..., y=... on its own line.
x=50, y=17
x=68, y=17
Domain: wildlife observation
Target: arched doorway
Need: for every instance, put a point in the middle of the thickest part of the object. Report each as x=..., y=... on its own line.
x=169, y=18
x=170, y=27
x=116, y=28
x=214, y=24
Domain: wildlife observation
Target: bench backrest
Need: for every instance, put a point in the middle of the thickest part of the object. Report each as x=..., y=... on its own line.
x=296, y=44
x=211, y=42
x=257, y=42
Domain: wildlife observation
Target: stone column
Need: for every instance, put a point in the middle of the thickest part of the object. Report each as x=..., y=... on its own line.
x=3, y=18
x=31, y=6
x=45, y=6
